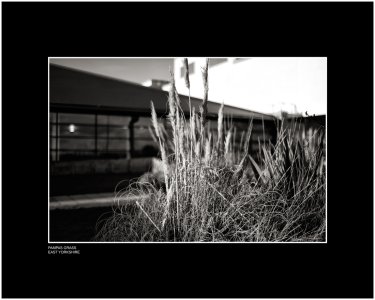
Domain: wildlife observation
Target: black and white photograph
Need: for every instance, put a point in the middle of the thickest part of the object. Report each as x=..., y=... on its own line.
x=188, y=149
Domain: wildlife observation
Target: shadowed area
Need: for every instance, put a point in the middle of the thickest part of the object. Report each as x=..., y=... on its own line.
x=75, y=225
x=87, y=184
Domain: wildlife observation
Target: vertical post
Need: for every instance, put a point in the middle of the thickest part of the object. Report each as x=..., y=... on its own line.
x=57, y=137
x=133, y=120
x=96, y=134
x=107, y=136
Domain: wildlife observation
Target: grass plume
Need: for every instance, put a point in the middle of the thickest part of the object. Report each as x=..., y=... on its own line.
x=217, y=190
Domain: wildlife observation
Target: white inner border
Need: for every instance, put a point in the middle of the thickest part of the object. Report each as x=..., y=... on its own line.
x=64, y=242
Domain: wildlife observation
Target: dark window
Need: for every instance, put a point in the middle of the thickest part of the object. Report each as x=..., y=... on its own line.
x=87, y=136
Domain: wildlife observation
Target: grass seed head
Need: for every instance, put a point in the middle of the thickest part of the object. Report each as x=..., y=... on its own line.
x=203, y=109
x=154, y=120
x=220, y=127
x=186, y=66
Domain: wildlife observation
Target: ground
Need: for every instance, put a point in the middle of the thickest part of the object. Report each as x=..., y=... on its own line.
x=75, y=225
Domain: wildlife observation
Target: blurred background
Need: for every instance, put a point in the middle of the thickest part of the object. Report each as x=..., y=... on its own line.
x=264, y=84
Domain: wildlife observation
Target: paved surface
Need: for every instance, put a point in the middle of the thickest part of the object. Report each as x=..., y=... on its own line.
x=88, y=184
x=87, y=201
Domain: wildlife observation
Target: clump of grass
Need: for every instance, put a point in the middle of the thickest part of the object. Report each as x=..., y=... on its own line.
x=216, y=191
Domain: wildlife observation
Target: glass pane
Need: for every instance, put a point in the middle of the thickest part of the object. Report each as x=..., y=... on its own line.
x=52, y=143
x=52, y=156
x=73, y=130
x=52, y=117
x=212, y=125
x=119, y=120
x=119, y=133
x=110, y=145
x=142, y=133
x=102, y=145
x=102, y=131
x=52, y=130
x=143, y=121
x=258, y=127
x=141, y=145
x=113, y=120
x=76, y=144
x=76, y=118
x=103, y=119
x=76, y=155
x=112, y=154
x=111, y=132
x=118, y=145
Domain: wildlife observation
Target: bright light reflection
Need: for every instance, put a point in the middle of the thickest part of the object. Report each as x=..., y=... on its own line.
x=72, y=128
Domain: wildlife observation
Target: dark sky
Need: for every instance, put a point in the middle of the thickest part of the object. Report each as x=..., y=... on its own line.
x=130, y=69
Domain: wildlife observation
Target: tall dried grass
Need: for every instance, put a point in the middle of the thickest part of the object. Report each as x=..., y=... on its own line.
x=215, y=191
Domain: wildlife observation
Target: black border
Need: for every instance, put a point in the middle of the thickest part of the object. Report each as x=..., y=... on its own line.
x=32, y=32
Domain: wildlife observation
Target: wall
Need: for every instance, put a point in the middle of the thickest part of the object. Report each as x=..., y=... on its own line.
x=264, y=84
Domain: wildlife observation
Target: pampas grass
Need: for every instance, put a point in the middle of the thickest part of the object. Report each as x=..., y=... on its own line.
x=215, y=190
x=203, y=107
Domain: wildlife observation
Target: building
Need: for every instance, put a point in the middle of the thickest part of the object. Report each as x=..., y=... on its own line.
x=266, y=84
x=97, y=117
